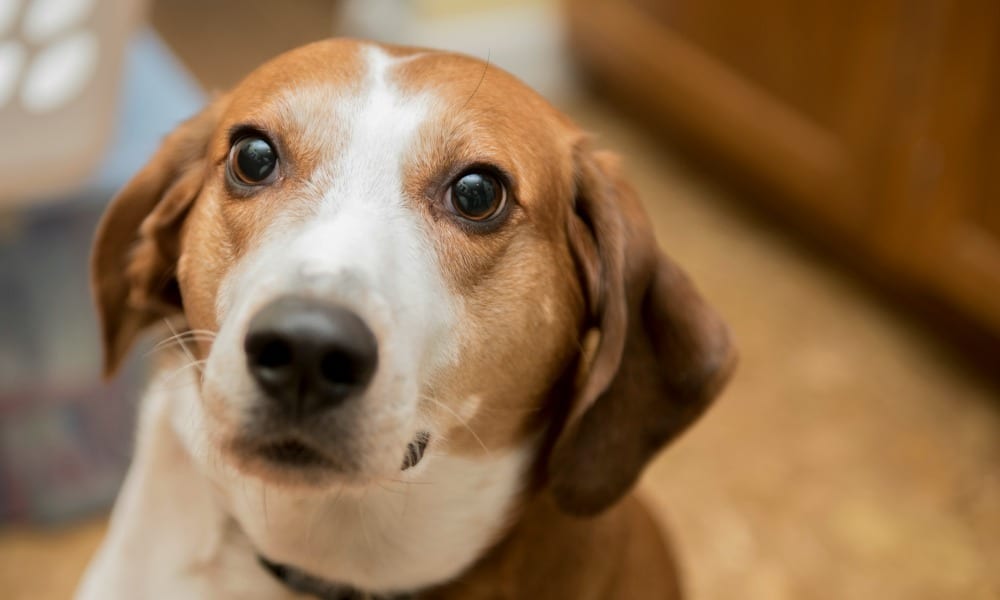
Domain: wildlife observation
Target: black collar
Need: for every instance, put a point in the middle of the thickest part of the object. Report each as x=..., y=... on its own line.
x=304, y=583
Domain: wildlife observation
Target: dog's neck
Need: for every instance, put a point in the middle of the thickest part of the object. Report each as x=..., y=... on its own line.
x=548, y=554
x=545, y=554
x=303, y=583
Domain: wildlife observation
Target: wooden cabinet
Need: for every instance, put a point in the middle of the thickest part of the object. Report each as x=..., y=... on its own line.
x=876, y=123
x=942, y=192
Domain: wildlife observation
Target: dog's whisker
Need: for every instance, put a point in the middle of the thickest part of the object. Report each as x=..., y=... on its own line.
x=361, y=517
x=168, y=378
x=263, y=502
x=379, y=530
x=501, y=410
x=206, y=333
x=183, y=348
x=163, y=347
x=384, y=527
x=323, y=511
x=458, y=418
x=403, y=481
x=182, y=337
x=389, y=489
x=177, y=341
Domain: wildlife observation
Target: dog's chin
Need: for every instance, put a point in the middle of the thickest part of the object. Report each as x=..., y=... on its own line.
x=294, y=461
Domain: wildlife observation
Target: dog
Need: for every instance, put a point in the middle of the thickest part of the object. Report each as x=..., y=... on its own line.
x=425, y=344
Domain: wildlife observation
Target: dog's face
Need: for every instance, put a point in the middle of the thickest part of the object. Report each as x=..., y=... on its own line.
x=383, y=251
x=394, y=203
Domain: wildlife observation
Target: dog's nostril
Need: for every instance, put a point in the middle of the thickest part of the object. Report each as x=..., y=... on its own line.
x=338, y=368
x=274, y=354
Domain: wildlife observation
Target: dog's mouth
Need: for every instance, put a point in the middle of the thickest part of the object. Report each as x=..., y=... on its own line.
x=294, y=453
x=297, y=454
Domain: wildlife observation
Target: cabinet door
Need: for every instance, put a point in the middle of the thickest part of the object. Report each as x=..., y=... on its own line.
x=944, y=186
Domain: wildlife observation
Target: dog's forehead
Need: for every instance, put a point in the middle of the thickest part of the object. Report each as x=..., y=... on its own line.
x=344, y=68
x=316, y=96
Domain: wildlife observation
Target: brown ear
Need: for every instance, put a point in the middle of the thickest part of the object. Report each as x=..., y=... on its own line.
x=662, y=357
x=134, y=258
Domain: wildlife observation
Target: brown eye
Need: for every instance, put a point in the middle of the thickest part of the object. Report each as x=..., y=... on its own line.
x=252, y=160
x=477, y=196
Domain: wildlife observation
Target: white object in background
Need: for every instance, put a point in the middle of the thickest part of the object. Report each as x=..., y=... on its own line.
x=60, y=67
x=60, y=72
x=12, y=56
x=45, y=19
x=8, y=12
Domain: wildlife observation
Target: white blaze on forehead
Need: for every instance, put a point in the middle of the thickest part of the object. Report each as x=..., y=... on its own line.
x=351, y=236
x=364, y=230
x=382, y=123
x=358, y=222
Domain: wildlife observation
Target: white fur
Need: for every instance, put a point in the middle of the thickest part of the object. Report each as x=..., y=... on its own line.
x=168, y=536
x=188, y=522
x=183, y=530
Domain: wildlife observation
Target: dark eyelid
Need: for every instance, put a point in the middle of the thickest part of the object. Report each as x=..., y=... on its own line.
x=237, y=133
x=455, y=171
x=240, y=131
x=495, y=170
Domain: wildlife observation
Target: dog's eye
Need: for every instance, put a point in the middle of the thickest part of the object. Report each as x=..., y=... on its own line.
x=477, y=196
x=252, y=160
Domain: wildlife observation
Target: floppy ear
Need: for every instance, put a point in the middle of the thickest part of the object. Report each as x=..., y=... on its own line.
x=134, y=259
x=663, y=354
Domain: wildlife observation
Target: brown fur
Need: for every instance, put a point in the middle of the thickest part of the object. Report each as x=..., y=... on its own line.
x=618, y=555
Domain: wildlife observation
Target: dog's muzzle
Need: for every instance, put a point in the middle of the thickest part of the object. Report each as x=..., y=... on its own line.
x=309, y=358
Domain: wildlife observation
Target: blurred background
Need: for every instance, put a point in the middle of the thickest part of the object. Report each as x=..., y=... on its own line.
x=826, y=171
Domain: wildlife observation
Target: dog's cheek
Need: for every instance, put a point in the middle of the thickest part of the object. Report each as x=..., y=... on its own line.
x=200, y=268
x=198, y=292
x=519, y=335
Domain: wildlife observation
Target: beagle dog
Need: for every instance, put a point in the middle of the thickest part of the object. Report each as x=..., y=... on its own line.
x=424, y=344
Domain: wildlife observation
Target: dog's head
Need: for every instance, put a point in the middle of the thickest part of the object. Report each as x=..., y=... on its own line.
x=382, y=250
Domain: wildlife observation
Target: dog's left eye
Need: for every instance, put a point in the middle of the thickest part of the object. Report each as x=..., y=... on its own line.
x=477, y=196
x=252, y=160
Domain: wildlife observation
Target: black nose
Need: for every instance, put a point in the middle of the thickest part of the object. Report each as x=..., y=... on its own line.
x=308, y=355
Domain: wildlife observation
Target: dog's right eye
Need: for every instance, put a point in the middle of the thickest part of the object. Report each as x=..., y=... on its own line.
x=477, y=196
x=252, y=160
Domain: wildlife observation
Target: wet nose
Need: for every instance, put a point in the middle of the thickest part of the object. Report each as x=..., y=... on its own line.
x=308, y=355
